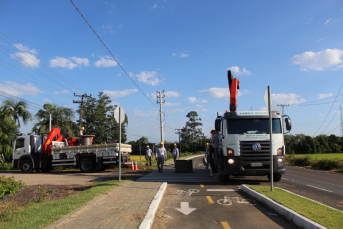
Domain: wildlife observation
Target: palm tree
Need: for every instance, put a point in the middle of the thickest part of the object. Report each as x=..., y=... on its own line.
x=60, y=117
x=18, y=110
x=8, y=131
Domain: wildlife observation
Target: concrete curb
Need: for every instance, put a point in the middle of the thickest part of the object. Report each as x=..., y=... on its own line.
x=65, y=218
x=150, y=215
x=296, y=218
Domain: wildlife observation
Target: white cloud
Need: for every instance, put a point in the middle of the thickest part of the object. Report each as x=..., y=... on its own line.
x=195, y=100
x=175, y=110
x=181, y=54
x=319, y=60
x=202, y=110
x=27, y=57
x=323, y=96
x=148, y=78
x=217, y=92
x=320, y=39
x=263, y=109
x=80, y=61
x=69, y=63
x=139, y=113
x=170, y=94
x=236, y=71
x=155, y=6
x=105, y=62
x=291, y=99
x=118, y=94
x=17, y=89
x=327, y=21
x=198, y=105
x=61, y=92
x=47, y=100
x=171, y=104
x=109, y=28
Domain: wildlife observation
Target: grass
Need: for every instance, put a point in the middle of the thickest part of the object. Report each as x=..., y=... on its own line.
x=42, y=214
x=328, y=156
x=321, y=214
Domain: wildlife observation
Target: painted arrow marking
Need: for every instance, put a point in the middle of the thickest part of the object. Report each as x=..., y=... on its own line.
x=185, y=209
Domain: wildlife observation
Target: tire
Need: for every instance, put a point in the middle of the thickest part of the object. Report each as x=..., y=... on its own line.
x=87, y=165
x=276, y=177
x=26, y=166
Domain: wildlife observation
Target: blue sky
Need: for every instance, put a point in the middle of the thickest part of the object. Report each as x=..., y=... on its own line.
x=48, y=52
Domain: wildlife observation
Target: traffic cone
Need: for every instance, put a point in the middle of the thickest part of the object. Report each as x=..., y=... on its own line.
x=136, y=167
x=132, y=167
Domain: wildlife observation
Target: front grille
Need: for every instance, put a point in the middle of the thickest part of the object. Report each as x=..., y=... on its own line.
x=249, y=156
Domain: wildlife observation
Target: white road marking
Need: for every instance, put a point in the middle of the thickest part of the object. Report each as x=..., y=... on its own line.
x=223, y=190
x=185, y=209
x=319, y=188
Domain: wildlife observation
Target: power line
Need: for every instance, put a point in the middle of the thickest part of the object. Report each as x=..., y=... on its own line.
x=112, y=54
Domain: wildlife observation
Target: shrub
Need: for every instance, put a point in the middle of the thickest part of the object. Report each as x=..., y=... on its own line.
x=325, y=164
x=8, y=186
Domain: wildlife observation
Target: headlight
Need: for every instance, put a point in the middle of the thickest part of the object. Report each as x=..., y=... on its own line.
x=231, y=161
x=280, y=160
x=280, y=151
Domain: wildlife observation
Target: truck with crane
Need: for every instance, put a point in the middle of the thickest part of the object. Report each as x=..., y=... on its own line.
x=244, y=141
x=40, y=153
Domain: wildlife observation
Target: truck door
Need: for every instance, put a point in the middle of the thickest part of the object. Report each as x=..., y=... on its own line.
x=21, y=146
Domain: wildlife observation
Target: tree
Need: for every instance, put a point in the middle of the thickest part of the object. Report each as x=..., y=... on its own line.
x=98, y=119
x=18, y=110
x=60, y=117
x=8, y=131
x=191, y=133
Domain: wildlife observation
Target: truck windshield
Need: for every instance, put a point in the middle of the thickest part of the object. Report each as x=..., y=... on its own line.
x=253, y=126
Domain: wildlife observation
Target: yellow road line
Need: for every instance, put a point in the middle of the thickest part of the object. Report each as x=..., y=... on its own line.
x=201, y=185
x=209, y=199
x=226, y=225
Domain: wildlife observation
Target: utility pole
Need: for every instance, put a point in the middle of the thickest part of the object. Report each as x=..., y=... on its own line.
x=341, y=124
x=178, y=131
x=82, y=96
x=283, y=106
x=160, y=96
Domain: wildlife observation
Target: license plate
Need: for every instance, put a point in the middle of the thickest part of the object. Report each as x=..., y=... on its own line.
x=256, y=164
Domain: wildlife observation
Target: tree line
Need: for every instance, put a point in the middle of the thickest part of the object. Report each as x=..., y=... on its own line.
x=321, y=144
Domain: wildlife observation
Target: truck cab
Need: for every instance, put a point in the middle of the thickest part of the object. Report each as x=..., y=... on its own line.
x=245, y=147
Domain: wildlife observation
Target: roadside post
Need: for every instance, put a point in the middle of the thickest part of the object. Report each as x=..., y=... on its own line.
x=268, y=101
x=119, y=116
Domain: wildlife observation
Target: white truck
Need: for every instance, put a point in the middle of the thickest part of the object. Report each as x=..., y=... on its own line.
x=244, y=141
x=42, y=153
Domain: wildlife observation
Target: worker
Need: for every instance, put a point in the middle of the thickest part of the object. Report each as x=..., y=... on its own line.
x=215, y=142
x=161, y=155
x=80, y=134
x=175, y=153
x=207, y=155
x=148, y=154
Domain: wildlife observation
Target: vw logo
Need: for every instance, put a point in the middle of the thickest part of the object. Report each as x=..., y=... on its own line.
x=256, y=146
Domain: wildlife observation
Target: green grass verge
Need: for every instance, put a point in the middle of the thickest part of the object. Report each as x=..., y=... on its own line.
x=321, y=214
x=328, y=156
x=40, y=215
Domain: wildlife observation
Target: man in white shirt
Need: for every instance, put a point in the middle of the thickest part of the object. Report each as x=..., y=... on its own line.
x=161, y=155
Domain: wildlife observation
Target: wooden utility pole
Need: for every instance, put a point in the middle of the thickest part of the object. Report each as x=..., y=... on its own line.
x=178, y=131
x=82, y=96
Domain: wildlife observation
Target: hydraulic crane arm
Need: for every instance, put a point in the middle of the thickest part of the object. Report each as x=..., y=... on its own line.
x=53, y=133
x=234, y=87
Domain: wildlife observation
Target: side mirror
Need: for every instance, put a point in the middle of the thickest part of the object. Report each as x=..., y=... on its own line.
x=217, y=124
x=288, y=124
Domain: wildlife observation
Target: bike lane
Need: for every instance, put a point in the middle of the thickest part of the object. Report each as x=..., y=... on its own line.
x=214, y=206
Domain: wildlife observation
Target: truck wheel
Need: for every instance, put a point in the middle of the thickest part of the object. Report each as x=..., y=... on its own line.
x=26, y=166
x=86, y=165
x=276, y=177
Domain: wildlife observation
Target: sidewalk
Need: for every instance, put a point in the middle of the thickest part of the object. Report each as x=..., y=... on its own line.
x=122, y=207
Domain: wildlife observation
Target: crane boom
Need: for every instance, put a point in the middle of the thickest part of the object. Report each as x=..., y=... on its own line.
x=234, y=87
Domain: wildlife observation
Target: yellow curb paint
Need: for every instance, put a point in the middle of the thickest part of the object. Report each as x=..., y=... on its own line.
x=226, y=225
x=209, y=199
x=201, y=185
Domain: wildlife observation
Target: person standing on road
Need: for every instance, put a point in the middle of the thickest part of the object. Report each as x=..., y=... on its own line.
x=215, y=142
x=161, y=155
x=148, y=154
x=207, y=155
x=175, y=153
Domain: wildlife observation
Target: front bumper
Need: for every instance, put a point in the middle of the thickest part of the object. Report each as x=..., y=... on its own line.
x=253, y=167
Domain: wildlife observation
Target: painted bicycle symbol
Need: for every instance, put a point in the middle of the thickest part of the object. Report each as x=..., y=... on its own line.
x=228, y=201
x=187, y=193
